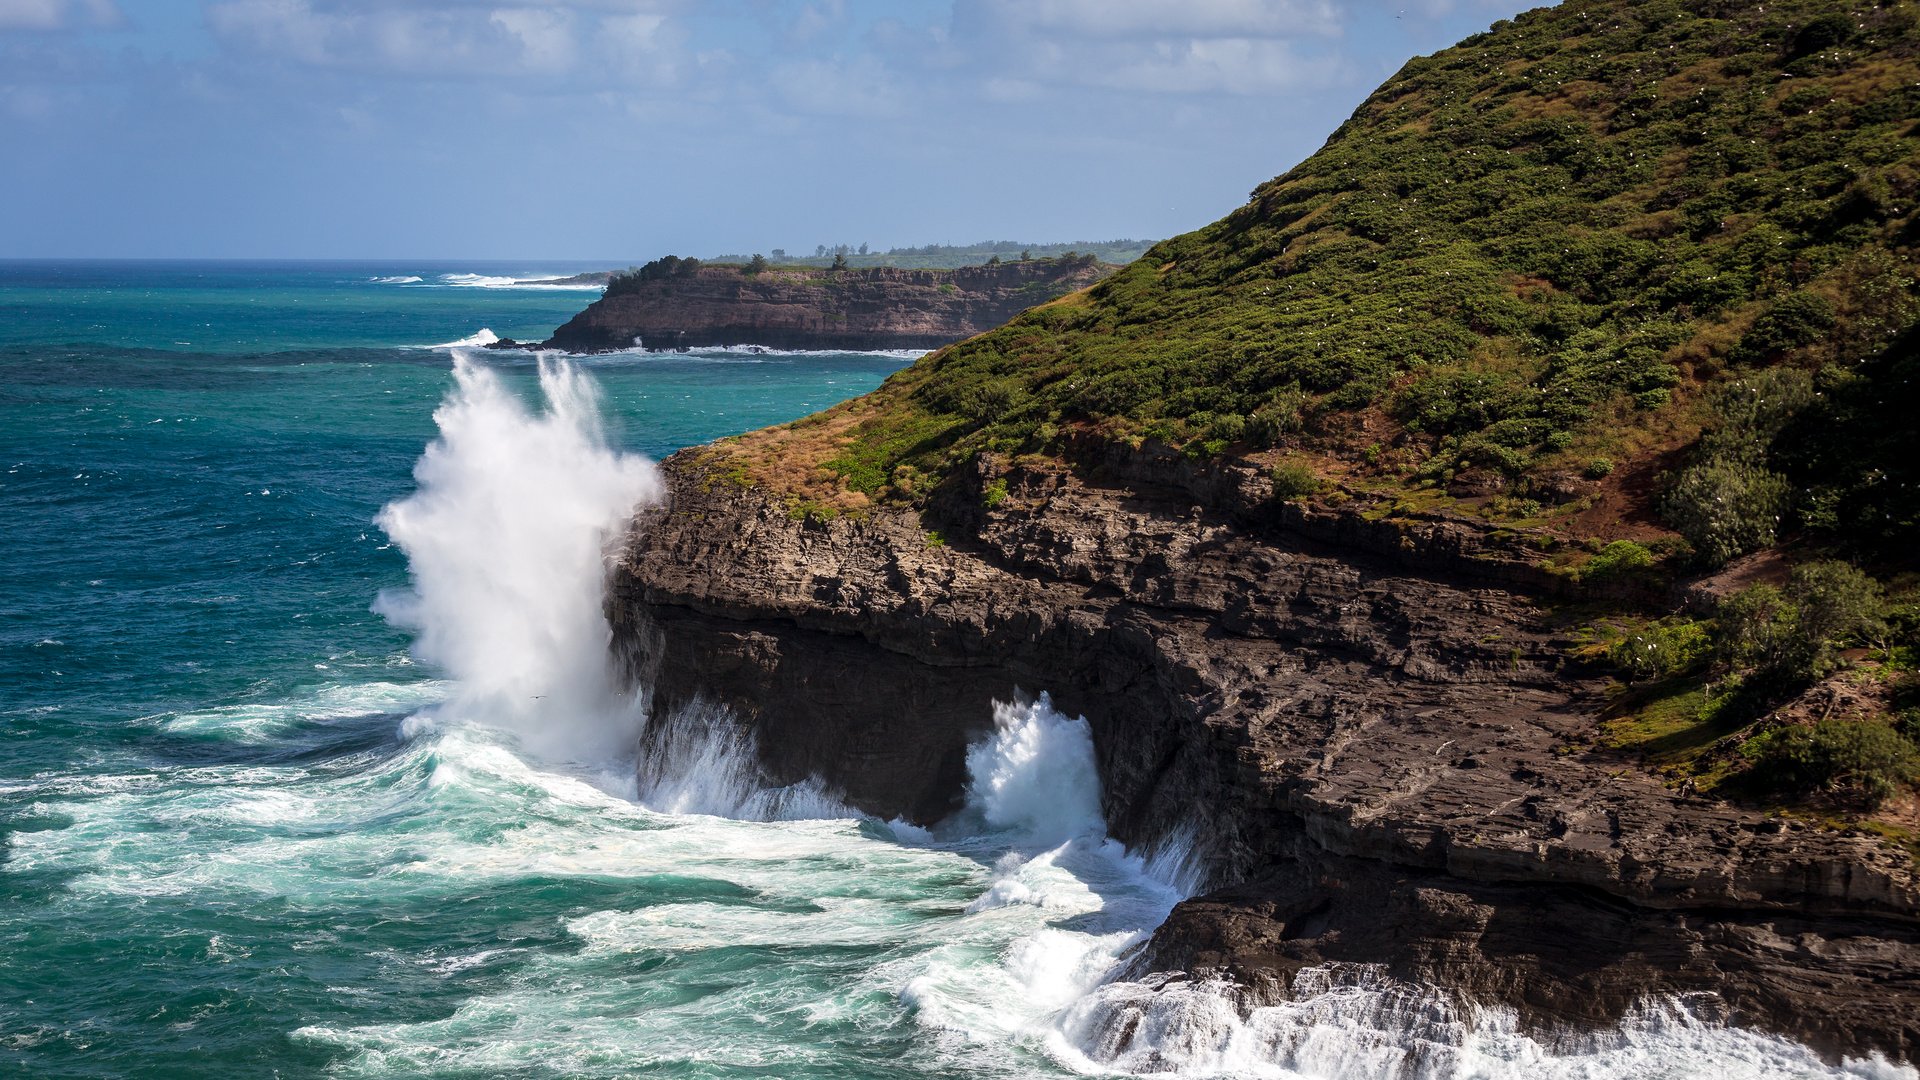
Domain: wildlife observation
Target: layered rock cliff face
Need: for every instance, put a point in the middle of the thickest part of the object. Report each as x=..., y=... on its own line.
x=876, y=308
x=1372, y=732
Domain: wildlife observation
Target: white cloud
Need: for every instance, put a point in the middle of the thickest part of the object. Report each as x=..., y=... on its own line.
x=1157, y=18
x=56, y=14
x=1238, y=47
x=545, y=35
x=438, y=37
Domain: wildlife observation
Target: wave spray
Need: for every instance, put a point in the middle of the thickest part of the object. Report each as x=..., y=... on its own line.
x=506, y=541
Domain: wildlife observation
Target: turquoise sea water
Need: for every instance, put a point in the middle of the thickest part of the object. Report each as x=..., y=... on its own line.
x=249, y=827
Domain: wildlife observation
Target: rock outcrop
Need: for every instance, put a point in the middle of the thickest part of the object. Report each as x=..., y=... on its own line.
x=876, y=308
x=1373, y=730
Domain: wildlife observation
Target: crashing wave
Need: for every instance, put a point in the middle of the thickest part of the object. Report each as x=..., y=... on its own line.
x=1354, y=1022
x=479, y=339
x=499, y=281
x=701, y=760
x=506, y=540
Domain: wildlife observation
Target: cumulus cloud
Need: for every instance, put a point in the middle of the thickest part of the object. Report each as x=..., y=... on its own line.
x=1240, y=47
x=440, y=37
x=57, y=14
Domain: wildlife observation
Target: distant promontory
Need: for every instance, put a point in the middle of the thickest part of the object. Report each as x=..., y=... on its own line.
x=674, y=303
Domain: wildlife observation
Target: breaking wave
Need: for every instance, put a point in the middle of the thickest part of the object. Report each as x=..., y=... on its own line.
x=702, y=760
x=497, y=281
x=506, y=541
x=1353, y=1022
x=478, y=339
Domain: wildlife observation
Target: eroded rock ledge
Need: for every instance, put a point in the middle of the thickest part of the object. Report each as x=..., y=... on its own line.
x=1370, y=728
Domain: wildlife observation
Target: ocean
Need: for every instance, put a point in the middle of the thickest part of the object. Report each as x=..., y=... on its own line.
x=311, y=764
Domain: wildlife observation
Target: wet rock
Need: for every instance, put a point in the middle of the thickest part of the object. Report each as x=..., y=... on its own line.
x=1368, y=725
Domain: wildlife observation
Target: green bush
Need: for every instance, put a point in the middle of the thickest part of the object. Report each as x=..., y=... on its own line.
x=1753, y=627
x=1620, y=559
x=1660, y=649
x=1836, y=604
x=1293, y=480
x=995, y=493
x=1791, y=635
x=1794, y=320
x=1867, y=760
x=1726, y=508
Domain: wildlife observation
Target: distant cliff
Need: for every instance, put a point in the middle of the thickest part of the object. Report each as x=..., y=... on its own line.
x=788, y=308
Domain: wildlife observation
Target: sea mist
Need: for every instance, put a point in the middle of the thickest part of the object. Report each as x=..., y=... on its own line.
x=506, y=541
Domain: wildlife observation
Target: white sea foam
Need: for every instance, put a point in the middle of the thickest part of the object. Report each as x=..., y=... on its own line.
x=497, y=281
x=1036, y=776
x=701, y=760
x=396, y=279
x=1070, y=902
x=507, y=539
x=472, y=341
x=266, y=720
x=1355, y=1023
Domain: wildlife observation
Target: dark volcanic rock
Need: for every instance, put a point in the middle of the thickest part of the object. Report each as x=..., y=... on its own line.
x=1371, y=727
x=875, y=308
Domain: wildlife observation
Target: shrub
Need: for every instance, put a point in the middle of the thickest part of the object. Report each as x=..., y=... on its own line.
x=1293, y=480
x=1835, y=602
x=995, y=493
x=1865, y=759
x=1794, y=320
x=1599, y=468
x=1660, y=649
x=1791, y=635
x=1726, y=508
x=1753, y=626
x=1617, y=560
x=1274, y=421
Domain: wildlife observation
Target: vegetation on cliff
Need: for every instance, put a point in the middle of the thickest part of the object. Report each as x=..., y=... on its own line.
x=1639, y=272
x=950, y=256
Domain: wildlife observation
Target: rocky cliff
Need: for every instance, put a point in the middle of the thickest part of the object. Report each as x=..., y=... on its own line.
x=1302, y=511
x=779, y=308
x=1374, y=733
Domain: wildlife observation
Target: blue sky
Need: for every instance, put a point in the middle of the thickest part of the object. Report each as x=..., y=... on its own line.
x=617, y=130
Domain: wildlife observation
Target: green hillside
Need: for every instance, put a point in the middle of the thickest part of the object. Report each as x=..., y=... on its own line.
x=1526, y=256
x=1631, y=281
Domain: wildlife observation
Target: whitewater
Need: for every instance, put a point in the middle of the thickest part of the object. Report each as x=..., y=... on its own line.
x=336, y=780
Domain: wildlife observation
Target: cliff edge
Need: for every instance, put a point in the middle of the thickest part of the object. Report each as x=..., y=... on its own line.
x=805, y=308
x=1493, y=544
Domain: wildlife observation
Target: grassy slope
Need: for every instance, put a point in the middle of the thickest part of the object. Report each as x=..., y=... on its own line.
x=1520, y=281
x=1523, y=256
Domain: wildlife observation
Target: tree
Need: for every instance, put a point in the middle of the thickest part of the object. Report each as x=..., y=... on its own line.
x=780, y=253
x=839, y=260
x=757, y=263
x=1025, y=255
x=819, y=251
x=863, y=249
x=995, y=261
x=1836, y=602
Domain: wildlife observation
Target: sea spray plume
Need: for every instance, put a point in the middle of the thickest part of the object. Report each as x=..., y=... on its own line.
x=1035, y=782
x=505, y=540
x=1035, y=775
